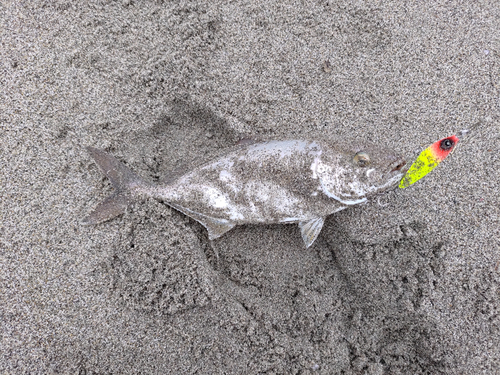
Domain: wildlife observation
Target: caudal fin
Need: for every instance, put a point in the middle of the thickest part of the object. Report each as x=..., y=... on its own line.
x=122, y=179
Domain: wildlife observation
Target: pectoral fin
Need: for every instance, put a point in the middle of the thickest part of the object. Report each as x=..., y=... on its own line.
x=215, y=227
x=310, y=230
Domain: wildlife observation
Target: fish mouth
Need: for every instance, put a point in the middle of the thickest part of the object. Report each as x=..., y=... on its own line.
x=398, y=166
x=396, y=172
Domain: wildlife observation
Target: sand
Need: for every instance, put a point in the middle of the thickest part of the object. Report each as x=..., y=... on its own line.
x=407, y=284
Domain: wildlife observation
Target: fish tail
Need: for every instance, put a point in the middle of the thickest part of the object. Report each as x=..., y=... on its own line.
x=123, y=180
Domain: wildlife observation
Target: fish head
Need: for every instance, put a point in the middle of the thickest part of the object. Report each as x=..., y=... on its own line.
x=352, y=174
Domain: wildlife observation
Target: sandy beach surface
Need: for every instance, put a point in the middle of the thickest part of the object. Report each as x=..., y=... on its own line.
x=405, y=284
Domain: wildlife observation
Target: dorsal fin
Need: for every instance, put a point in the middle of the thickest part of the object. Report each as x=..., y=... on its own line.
x=247, y=141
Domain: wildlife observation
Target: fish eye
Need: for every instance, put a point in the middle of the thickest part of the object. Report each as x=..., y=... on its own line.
x=361, y=159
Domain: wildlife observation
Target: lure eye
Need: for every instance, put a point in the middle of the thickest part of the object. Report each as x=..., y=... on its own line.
x=361, y=159
x=446, y=144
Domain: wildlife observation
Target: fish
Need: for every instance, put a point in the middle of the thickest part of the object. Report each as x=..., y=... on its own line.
x=267, y=182
x=428, y=160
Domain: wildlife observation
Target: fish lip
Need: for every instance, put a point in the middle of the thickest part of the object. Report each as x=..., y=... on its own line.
x=399, y=173
x=399, y=165
x=394, y=179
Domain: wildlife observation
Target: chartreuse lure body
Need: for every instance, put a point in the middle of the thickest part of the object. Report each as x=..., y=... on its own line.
x=428, y=160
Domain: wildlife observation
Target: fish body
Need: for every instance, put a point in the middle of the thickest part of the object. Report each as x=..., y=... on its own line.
x=292, y=181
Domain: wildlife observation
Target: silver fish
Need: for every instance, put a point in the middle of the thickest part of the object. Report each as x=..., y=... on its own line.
x=292, y=181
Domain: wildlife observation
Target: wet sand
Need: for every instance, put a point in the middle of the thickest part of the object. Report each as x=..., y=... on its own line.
x=406, y=284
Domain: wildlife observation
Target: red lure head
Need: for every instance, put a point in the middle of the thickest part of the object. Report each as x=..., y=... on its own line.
x=443, y=147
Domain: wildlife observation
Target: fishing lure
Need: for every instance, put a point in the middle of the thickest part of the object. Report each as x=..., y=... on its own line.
x=428, y=160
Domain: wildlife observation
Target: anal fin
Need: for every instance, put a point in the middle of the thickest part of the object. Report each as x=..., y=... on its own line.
x=216, y=227
x=311, y=229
